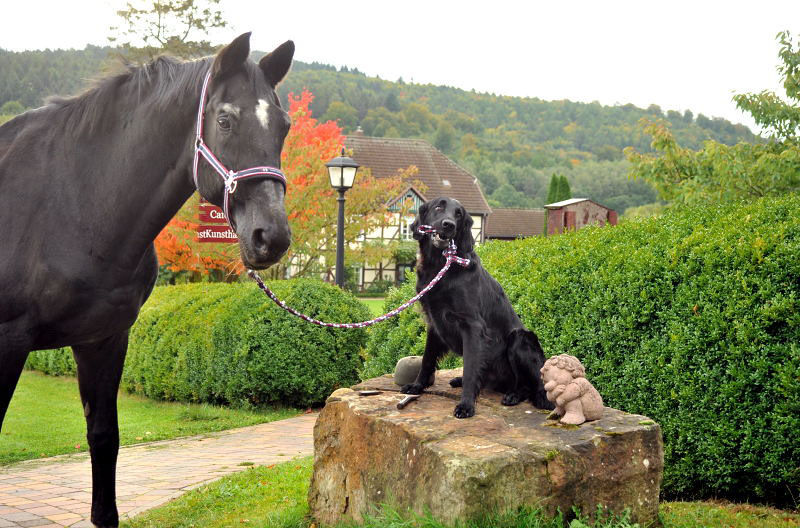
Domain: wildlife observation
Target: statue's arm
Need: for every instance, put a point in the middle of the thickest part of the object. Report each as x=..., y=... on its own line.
x=571, y=392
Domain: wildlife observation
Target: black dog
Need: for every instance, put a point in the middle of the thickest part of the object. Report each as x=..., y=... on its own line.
x=468, y=312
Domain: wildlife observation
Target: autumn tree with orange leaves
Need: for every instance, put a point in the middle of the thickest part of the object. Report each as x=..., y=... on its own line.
x=311, y=206
x=311, y=202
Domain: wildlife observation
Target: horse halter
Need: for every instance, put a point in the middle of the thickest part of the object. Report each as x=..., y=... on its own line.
x=229, y=177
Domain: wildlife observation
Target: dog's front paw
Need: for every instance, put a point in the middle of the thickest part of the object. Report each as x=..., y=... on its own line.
x=412, y=388
x=510, y=398
x=455, y=382
x=464, y=410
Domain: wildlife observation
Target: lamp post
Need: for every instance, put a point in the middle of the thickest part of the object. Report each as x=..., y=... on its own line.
x=342, y=172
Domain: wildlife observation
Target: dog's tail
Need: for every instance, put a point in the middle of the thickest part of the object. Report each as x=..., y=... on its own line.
x=527, y=358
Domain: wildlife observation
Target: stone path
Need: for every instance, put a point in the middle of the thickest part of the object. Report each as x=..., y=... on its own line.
x=57, y=491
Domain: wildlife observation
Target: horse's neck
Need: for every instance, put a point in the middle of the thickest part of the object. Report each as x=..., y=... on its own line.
x=145, y=175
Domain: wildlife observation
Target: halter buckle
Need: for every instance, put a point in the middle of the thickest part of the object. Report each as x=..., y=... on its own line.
x=231, y=182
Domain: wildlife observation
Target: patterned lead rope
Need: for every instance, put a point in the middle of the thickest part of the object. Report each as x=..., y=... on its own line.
x=450, y=257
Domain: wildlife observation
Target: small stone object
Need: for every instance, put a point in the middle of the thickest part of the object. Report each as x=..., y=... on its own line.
x=576, y=400
x=406, y=370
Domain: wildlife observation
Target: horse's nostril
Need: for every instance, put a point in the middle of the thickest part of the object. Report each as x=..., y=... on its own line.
x=260, y=240
x=270, y=243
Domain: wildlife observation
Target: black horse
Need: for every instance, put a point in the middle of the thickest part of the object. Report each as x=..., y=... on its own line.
x=86, y=184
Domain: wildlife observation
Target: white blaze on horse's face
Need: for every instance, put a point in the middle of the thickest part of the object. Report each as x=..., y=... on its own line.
x=262, y=113
x=231, y=109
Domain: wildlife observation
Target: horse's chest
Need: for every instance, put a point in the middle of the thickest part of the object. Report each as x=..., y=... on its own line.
x=77, y=309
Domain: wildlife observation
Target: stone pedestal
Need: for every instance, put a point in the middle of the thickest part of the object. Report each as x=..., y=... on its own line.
x=422, y=458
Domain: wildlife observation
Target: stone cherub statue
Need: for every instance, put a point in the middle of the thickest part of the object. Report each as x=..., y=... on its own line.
x=576, y=400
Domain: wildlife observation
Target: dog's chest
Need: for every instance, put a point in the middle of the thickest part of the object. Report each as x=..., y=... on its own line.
x=446, y=323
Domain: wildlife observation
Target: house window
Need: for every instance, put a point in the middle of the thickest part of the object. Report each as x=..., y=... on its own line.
x=405, y=230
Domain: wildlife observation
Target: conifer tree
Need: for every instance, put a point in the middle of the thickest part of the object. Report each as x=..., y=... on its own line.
x=553, y=190
x=564, y=192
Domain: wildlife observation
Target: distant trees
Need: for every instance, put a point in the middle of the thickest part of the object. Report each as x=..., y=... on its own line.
x=519, y=142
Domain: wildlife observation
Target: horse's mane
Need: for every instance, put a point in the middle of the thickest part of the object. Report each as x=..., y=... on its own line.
x=160, y=83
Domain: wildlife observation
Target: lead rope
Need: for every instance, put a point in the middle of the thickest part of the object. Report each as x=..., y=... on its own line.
x=450, y=257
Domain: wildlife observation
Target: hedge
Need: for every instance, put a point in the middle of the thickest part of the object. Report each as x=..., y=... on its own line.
x=229, y=344
x=692, y=318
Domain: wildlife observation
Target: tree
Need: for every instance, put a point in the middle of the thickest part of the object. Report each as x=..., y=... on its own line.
x=152, y=27
x=564, y=192
x=779, y=117
x=445, y=137
x=554, y=189
x=11, y=108
x=343, y=114
x=742, y=171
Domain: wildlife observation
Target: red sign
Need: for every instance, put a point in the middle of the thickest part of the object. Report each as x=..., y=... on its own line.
x=215, y=233
x=211, y=214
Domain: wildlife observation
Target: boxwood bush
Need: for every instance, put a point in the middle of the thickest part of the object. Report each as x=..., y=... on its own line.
x=230, y=344
x=692, y=318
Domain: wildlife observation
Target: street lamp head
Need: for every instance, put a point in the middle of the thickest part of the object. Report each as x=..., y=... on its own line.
x=342, y=172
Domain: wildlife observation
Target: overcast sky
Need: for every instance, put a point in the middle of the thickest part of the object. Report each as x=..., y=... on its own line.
x=678, y=54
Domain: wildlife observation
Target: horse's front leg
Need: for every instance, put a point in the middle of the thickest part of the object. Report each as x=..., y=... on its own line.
x=99, y=373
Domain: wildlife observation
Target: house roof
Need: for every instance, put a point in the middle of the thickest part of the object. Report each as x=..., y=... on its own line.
x=515, y=223
x=441, y=175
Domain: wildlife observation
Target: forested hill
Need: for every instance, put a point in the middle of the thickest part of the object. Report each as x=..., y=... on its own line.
x=511, y=144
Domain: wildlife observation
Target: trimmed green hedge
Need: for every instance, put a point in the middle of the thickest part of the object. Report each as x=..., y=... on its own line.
x=692, y=318
x=229, y=343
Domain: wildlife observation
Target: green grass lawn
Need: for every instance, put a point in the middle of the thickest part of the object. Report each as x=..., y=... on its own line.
x=275, y=497
x=46, y=418
x=375, y=306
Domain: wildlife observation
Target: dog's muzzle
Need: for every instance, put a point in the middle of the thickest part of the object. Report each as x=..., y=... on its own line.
x=440, y=241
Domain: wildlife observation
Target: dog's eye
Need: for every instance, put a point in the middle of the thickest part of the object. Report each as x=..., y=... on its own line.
x=458, y=213
x=440, y=208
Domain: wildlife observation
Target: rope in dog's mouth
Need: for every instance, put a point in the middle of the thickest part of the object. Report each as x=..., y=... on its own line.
x=449, y=254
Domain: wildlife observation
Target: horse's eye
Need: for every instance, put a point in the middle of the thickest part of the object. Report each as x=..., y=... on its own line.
x=224, y=123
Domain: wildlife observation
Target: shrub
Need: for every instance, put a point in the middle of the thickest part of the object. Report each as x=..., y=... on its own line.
x=692, y=318
x=58, y=362
x=230, y=344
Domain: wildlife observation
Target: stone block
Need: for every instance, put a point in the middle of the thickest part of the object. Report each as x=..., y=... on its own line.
x=422, y=458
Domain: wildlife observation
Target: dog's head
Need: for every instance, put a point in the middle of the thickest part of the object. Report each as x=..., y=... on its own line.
x=450, y=221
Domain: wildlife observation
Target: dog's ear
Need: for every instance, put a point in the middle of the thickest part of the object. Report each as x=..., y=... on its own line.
x=464, y=239
x=418, y=221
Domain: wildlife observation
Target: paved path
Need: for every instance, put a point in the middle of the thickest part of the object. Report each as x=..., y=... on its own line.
x=57, y=491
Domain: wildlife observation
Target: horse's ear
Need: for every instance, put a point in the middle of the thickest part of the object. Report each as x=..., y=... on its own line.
x=464, y=239
x=276, y=64
x=232, y=57
x=419, y=220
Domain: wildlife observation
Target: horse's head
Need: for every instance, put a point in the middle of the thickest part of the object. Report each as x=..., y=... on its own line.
x=245, y=126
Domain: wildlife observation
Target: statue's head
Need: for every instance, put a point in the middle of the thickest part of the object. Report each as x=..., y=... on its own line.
x=562, y=369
